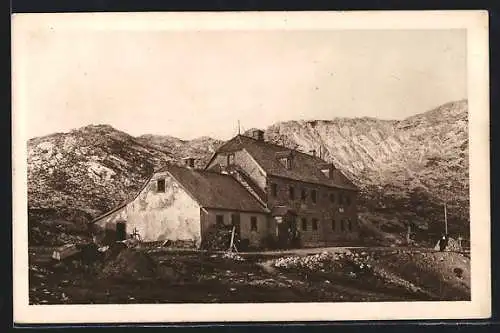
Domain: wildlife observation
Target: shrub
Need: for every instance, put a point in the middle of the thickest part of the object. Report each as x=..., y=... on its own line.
x=219, y=238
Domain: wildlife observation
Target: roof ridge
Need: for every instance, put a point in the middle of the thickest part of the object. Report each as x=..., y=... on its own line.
x=281, y=146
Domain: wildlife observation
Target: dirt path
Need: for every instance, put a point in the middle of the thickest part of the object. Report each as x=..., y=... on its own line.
x=311, y=251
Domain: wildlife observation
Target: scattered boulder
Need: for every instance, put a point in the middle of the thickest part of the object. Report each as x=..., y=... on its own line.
x=311, y=262
x=232, y=256
x=65, y=251
x=458, y=272
x=130, y=264
x=114, y=250
x=451, y=245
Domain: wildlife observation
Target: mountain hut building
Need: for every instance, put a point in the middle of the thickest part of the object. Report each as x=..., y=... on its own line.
x=265, y=190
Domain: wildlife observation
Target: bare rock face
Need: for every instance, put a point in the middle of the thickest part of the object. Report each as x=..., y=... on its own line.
x=201, y=148
x=405, y=169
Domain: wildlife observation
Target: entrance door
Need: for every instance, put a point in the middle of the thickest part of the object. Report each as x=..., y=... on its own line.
x=121, y=233
x=287, y=230
x=282, y=232
x=294, y=237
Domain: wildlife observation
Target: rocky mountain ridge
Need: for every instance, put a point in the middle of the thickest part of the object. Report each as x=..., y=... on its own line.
x=405, y=169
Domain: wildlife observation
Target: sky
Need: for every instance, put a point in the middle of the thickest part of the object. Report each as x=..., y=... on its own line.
x=200, y=83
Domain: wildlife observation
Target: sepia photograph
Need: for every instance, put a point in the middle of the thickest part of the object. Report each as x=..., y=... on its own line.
x=257, y=162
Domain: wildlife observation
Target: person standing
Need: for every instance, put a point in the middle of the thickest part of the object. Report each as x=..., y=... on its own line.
x=442, y=243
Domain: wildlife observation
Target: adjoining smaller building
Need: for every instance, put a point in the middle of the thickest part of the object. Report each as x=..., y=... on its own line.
x=181, y=203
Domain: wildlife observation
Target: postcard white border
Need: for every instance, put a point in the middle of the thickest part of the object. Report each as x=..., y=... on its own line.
x=476, y=24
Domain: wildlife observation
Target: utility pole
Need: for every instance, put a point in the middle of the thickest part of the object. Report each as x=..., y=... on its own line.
x=445, y=221
x=239, y=127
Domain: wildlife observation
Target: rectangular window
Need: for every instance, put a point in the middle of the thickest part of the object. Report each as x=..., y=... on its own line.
x=230, y=159
x=161, y=185
x=334, y=227
x=340, y=199
x=342, y=225
x=304, y=223
x=349, y=225
x=303, y=195
x=315, y=224
x=347, y=200
x=274, y=190
x=313, y=196
x=332, y=197
x=253, y=223
x=292, y=193
x=219, y=220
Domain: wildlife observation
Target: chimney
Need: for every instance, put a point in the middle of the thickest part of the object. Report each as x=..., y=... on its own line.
x=189, y=161
x=258, y=135
x=313, y=152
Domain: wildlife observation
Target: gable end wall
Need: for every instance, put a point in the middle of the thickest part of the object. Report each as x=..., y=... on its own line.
x=157, y=216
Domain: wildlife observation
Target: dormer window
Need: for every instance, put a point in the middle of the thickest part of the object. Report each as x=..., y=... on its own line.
x=230, y=159
x=327, y=170
x=287, y=162
x=285, y=158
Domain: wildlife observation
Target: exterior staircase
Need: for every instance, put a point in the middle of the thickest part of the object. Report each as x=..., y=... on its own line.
x=246, y=181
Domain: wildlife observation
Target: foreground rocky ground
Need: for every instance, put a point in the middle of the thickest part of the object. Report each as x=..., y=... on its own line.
x=127, y=275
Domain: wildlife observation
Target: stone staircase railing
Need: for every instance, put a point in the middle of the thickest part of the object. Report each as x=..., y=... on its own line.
x=246, y=181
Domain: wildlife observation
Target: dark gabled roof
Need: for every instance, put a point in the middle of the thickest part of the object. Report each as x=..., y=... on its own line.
x=305, y=167
x=214, y=190
x=120, y=206
x=210, y=189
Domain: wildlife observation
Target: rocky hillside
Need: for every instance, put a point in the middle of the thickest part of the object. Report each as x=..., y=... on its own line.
x=78, y=175
x=200, y=148
x=404, y=168
x=86, y=171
